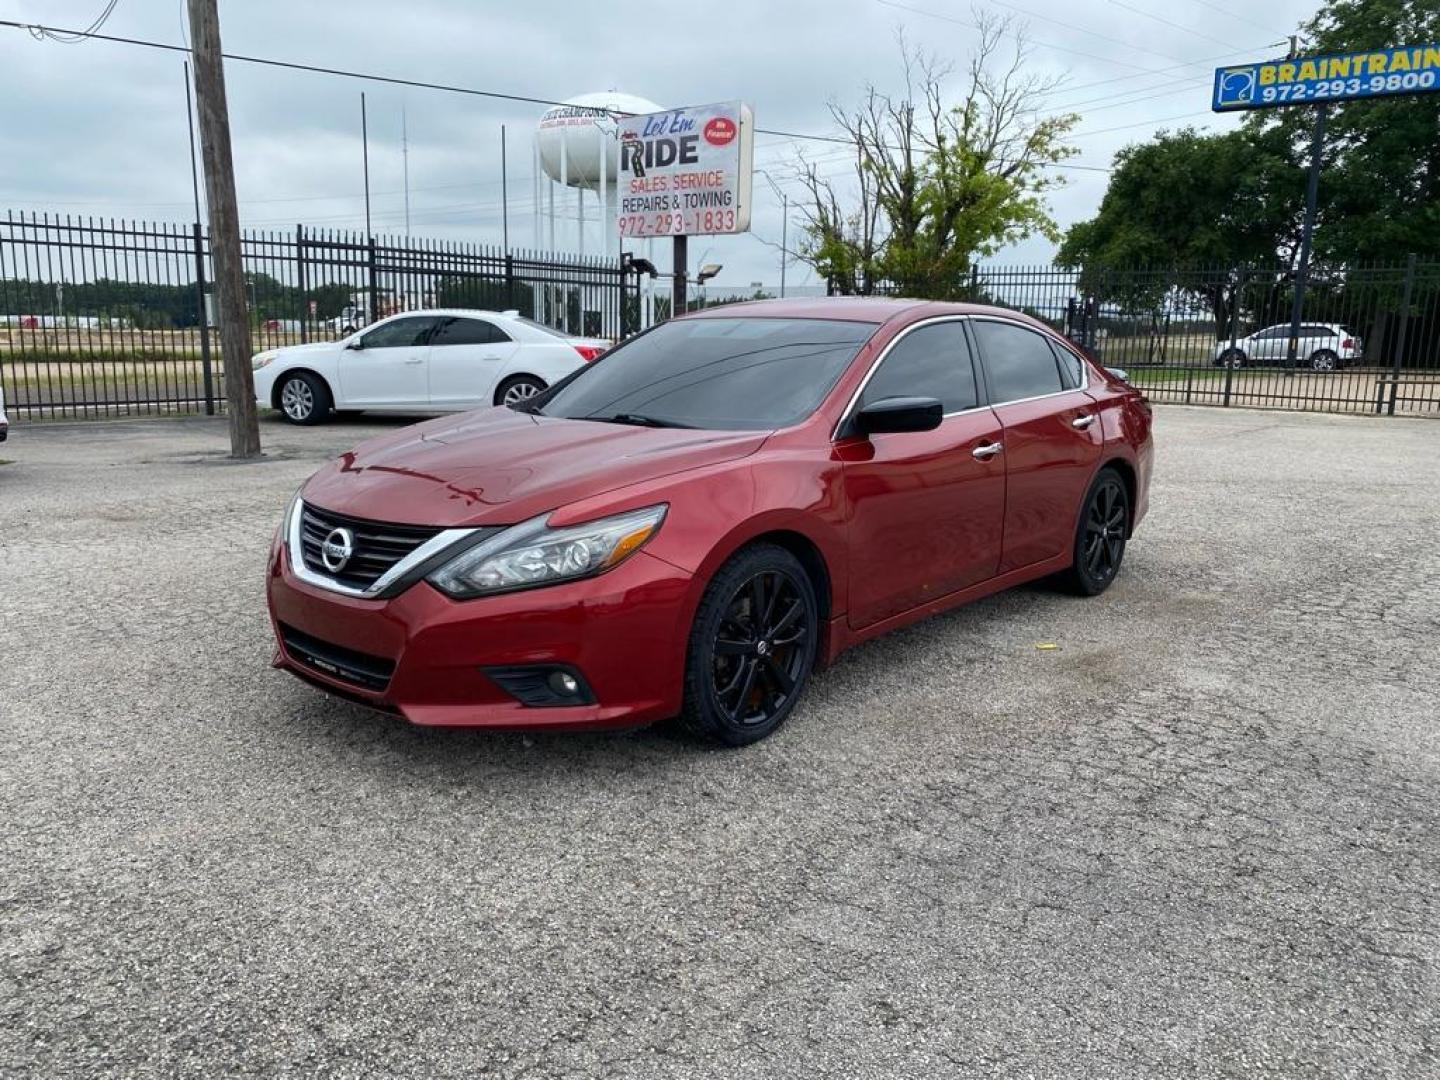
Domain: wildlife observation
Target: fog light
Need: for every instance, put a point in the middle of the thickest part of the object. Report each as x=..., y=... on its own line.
x=543, y=685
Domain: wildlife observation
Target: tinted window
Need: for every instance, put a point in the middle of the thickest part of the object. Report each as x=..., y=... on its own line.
x=1071, y=368
x=468, y=332
x=1273, y=333
x=1316, y=331
x=401, y=333
x=932, y=361
x=716, y=373
x=1018, y=361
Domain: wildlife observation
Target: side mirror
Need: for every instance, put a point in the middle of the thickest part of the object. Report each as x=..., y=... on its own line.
x=899, y=414
x=1119, y=373
x=354, y=343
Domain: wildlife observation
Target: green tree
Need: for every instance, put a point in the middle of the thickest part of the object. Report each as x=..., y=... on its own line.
x=1205, y=203
x=937, y=185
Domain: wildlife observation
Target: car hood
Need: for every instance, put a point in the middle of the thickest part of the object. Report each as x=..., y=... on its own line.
x=498, y=466
x=288, y=351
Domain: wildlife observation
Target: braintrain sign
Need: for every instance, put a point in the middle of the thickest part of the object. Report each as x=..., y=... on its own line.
x=686, y=172
x=1312, y=80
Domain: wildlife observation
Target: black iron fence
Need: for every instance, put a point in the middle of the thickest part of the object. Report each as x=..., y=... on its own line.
x=109, y=318
x=1362, y=338
x=106, y=318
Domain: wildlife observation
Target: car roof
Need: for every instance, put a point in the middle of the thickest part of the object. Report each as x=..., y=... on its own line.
x=871, y=309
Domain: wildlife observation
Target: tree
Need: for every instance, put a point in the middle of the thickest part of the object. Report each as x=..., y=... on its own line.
x=936, y=185
x=1380, y=186
x=1203, y=202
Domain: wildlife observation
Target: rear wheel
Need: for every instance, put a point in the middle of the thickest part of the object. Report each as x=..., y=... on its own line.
x=1100, y=536
x=752, y=647
x=518, y=388
x=303, y=398
x=1324, y=360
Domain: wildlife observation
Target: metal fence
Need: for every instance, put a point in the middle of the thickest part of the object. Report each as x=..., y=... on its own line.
x=111, y=318
x=1368, y=336
x=105, y=318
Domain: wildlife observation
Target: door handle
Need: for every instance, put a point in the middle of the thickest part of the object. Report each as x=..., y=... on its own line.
x=985, y=451
x=416, y=360
x=489, y=358
x=1083, y=421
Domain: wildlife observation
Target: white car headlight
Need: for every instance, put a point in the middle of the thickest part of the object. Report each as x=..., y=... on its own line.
x=264, y=359
x=532, y=553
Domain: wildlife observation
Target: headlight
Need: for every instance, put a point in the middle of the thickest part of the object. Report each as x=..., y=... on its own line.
x=264, y=359
x=532, y=554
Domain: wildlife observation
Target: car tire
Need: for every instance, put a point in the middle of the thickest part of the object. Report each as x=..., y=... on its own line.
x=1231, y=358
x=518, y=388
x=1324, y=360
x=744, y=673
x=303, y=398
x=1101, y=535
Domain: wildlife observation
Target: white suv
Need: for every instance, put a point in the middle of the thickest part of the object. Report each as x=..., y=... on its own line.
x=1320, y=347
x=4, y=420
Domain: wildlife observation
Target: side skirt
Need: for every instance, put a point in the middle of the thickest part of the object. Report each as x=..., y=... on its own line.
x=842, y=636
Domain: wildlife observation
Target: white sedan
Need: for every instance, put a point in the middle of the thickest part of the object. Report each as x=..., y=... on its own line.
x=420, y=361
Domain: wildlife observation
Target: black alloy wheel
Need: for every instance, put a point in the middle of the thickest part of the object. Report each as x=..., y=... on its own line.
x=752, y=647
x=1324, y=360
x=1101, y=535
x=1232, y=358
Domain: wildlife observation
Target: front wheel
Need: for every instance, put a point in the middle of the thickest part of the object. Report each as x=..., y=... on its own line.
x=518, y=388
x=1232, y=358
x=1100, y=536
x=304, y=398
x=752, y=647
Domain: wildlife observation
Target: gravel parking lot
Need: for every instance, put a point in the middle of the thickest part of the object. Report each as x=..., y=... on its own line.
x=1198, y=839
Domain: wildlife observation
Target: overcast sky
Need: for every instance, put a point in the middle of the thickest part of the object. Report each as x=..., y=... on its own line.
x=100, y=129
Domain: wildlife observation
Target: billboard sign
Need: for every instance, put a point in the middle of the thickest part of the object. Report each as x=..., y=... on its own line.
x=1314, y=80
x=686, y=172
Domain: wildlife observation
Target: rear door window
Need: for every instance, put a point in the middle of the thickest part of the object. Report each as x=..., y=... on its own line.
x=1018, y=362
x=469, y=332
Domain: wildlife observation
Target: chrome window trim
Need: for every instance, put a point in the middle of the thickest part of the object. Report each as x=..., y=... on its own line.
x=432, y=547
x=860, y=390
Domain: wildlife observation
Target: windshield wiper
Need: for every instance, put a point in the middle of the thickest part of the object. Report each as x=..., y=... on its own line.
x=639, y=420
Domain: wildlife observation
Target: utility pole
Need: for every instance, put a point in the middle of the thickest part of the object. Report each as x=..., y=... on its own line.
x=784, y=240
x=405, y=159
x=232, y=315
x=365, y=152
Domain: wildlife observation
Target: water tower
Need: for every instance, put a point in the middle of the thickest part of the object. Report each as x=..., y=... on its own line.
x=576, y=153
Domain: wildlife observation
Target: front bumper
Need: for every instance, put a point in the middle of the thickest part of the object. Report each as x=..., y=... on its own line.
x=624, y=631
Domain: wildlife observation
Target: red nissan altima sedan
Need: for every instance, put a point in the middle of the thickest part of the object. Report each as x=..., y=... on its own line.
x=690, y=525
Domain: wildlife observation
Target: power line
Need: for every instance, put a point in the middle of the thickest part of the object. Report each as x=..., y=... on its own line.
x=419, y=84
x=1168, y=22
x=1234, y=15
x=1033, y=41
x=73, y=37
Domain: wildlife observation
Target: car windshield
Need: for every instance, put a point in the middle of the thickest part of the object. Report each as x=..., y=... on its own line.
x=738, y=373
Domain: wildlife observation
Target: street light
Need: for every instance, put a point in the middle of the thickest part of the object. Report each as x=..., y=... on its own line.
x=708, y=271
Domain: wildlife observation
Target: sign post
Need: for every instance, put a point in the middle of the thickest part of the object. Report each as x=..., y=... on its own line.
x=1319, y=80
x=686, y=172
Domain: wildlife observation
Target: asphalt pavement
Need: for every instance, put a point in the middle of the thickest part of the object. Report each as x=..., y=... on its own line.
x=1198, y=838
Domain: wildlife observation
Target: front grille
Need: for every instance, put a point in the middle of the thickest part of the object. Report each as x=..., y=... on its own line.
x=363, y=670
x=379, y=545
